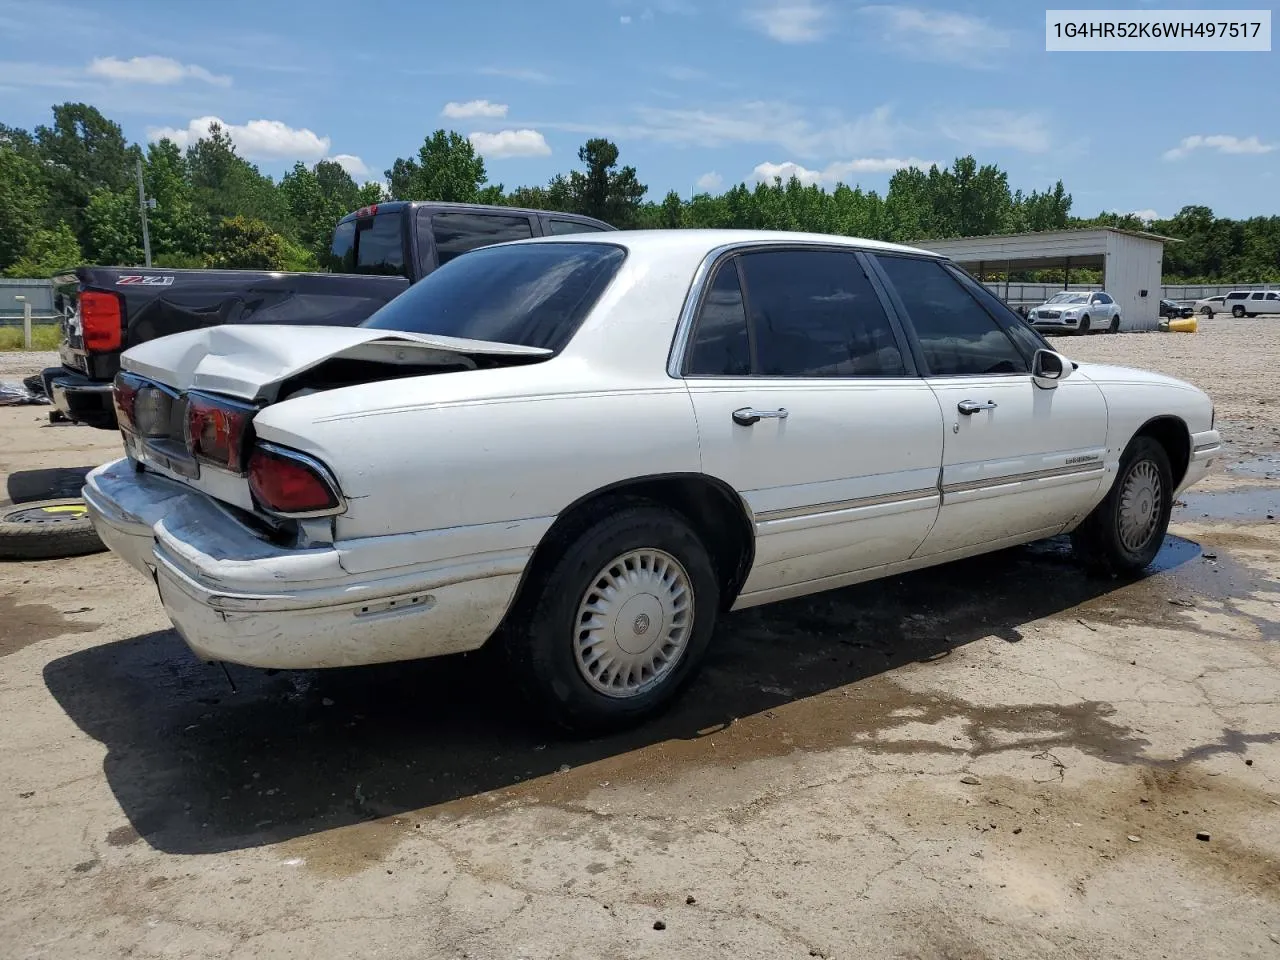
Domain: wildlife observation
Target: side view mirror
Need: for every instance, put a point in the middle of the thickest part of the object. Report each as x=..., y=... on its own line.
x=1049, y=368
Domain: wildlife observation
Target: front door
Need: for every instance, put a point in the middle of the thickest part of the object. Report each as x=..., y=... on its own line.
x=812, y=411
x=1017, y=460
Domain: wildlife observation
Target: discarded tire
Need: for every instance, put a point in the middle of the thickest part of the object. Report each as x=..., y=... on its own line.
x=45, y=529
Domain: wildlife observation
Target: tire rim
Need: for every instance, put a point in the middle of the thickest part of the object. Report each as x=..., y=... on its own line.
x=59, y=513
x=1139, y=505
x=634, y=623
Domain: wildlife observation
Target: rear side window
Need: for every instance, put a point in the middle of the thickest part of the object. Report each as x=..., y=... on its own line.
x=342, y=251
x=720, y=344
x=561, y=227
x=814, y=313
x=535, y=295
x=457, y=233
x=957, y=336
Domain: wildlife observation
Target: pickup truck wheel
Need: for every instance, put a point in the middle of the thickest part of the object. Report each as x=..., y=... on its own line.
x=45, y=529
x=1124, y=532
x=618, y=622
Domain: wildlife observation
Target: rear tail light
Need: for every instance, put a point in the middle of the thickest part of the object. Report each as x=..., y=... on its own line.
x=124, y=392
x=291, y=484
x=101, y=321
x=218, y=431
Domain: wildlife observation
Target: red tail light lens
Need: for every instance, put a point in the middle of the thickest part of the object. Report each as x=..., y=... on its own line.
x=101, y=321
x=124, y=393
x=291, y=484
x=218, y=431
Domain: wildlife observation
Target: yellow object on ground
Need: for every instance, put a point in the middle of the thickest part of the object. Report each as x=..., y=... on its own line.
x=1183, y=325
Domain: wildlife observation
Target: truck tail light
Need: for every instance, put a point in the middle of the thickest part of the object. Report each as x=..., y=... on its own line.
x=218, y=431
x=291, y=484
x=101, y=321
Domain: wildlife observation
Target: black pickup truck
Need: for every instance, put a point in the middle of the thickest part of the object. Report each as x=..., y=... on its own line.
x=377, y=252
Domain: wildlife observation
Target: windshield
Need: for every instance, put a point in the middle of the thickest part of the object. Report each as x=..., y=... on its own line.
x=1069, y=298
x=531, y=294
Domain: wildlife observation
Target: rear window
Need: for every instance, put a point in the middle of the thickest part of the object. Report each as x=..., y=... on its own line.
x=534, y=295
x=373, y=245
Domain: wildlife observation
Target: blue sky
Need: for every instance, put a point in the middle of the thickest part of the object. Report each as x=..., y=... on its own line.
x=696, y=93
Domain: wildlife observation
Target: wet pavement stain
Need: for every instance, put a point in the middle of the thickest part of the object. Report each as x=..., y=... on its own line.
x=22, y=624
x=1254, y=503
x=361, y=754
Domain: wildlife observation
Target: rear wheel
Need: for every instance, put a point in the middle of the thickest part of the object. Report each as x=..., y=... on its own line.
x=1124, y=532
x=617, y=621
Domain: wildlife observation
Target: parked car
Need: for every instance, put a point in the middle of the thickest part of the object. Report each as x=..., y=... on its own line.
x=1076, y=312
x=1208, y=306
x=1172, y=310
x=1252, y=303
x=376, y=253
x=585, y=449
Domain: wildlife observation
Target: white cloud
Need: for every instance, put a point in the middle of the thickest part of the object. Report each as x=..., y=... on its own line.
x=155, y=70
x=510, y=143
x=358, y=169
x=709, y=181
x=257, y=139
x=683, y=74
x=624, y=19
x=1145, y=215
x=833, y=173
x=515, y=73
x=935, y=35
x=473, y=108
x=1007, y=129
x=1220, y=142
x=789, y=21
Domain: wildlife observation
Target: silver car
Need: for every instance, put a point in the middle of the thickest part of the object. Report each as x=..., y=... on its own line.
x=1075, y=311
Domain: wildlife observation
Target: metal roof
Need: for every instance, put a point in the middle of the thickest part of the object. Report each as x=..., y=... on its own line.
x=1085, y=247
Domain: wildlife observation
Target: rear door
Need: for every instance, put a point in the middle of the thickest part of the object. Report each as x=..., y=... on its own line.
x=1017, y=459
x=1271, y=304
x=812, y=411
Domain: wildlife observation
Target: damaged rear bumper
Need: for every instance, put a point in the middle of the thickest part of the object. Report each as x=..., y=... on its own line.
x=235, y=597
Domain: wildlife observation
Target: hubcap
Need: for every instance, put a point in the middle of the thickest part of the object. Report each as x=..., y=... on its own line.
x=1139, y=505
x=634, y=623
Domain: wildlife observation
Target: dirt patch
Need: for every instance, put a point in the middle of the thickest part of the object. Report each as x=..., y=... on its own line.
x=22, y=624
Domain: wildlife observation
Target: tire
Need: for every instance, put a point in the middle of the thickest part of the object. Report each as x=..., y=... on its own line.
x=1140, y=500
x=1207, y=312
x=1083, y=329
x=545, y=641
x=1237, y=311
x=46, y=529
x=1114, y=327
x=1250, y=315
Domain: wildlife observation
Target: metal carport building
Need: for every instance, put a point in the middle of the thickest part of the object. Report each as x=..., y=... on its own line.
x=1130, y=262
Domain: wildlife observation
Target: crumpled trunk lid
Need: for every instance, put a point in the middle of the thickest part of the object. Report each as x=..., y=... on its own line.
x=252, y=362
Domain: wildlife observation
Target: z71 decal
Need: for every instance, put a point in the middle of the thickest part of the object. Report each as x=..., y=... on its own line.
x=149, y=281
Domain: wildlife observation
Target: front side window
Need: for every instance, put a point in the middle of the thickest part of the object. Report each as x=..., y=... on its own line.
x=720, y=344
x=957, y=336
x=535, y=295
x=814, y=313
x=457, y=233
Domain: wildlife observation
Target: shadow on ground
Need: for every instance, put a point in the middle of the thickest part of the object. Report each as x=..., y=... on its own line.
x=199, y=768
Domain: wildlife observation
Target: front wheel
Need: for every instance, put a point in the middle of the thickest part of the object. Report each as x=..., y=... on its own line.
x=1115, y=324
x=1124, y=532
x=1084, y=325
x=1207, y=311
x=1237, y=311
x=617, y=621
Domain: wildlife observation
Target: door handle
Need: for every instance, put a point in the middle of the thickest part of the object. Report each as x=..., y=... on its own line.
x=746, y=416
x=973, y=406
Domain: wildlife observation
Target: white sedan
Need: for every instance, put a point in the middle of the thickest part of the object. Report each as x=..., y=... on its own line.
x=1075, y=312
x=586, y=449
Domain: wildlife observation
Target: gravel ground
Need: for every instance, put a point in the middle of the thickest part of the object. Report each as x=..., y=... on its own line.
x=996, y=758
x=16, y=364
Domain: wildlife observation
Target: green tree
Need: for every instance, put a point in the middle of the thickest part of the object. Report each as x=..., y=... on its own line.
x=242, y=243
x=49, y=251
x=83, y=152
x=447, y=169
x=318, y=198
x=604, y=191
x=226, y=185
x=178, y=229
x=113, y=228
x=23, y=200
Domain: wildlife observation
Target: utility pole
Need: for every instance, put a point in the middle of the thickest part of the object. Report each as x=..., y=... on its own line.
x=143, y=205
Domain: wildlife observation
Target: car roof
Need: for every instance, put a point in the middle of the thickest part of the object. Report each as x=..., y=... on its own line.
x=693, y=241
